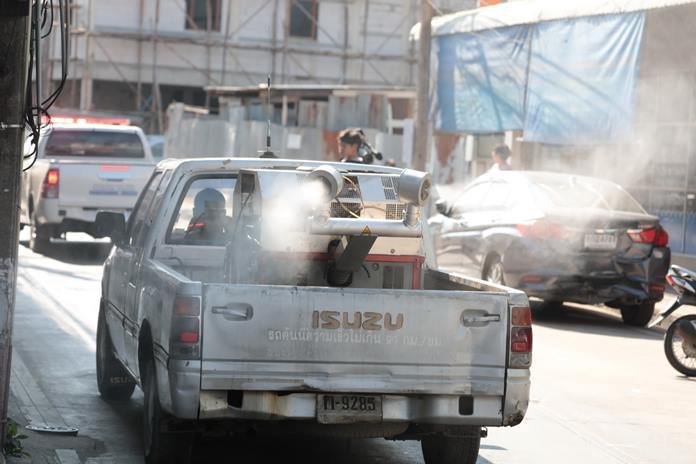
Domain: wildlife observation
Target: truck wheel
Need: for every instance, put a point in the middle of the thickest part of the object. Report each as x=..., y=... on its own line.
x=450, y=450
x=638, y=315
x=160, y=447
x=113, y=381
x=39, y=236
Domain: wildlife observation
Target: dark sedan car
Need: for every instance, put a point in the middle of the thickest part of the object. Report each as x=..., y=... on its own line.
x=557, y=237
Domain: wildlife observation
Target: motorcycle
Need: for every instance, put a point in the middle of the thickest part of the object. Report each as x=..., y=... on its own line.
x=680, y=338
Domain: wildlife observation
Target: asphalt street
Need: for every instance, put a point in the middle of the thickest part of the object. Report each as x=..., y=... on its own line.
x=602, y=392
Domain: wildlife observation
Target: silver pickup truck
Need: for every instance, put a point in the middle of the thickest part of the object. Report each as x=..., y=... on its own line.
x=288, y=296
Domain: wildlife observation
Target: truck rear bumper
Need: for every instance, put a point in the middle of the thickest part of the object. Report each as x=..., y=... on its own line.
x=56, y=213
x=516, y=396
x=423, y=409
x=366, y=377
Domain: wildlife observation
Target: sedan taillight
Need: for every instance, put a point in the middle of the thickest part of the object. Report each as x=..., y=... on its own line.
x=655, y=235
x=544, y=230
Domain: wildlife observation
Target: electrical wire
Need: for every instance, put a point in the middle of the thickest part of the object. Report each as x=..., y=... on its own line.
x=359, y=192
x=36, y=114
x=345, y=208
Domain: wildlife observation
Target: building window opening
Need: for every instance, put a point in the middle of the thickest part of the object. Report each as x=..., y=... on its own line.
x=203, y=15
x=304, y=15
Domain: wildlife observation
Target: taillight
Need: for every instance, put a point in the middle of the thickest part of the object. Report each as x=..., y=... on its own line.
x=114, y=168
x=521, y=337
x=51, y=184
x=185, y=333
x=187, y=306
x=544, y=230
x=670, y=280
x=656, y=236
x=521, y=340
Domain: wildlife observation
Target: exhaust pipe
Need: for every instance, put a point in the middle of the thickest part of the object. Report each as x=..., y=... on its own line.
x=322, y=225
x=414, y=190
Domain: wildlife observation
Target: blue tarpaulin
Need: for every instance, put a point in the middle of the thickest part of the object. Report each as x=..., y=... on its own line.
x=568, y=81
x=581, y=79
x=481, y=80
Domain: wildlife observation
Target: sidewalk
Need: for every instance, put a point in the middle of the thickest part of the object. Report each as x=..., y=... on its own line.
x=29, y=405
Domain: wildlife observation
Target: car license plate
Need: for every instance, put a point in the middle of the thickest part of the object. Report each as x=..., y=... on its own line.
x=600, y=241
x=343, y=409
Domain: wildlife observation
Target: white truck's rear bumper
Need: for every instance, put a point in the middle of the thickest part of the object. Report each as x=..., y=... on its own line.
x=425, y=409
x=185, y=399
x=52, y=212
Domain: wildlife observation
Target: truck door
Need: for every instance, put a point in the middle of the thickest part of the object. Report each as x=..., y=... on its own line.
x=122, y=273
x=142, y=224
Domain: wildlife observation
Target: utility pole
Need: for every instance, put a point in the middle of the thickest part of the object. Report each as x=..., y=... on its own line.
x=15, y=27
x=422, y=126
x=86, y=89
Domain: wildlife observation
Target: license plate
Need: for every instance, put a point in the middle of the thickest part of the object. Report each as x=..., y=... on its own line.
x=600, y=241
x=343, y=409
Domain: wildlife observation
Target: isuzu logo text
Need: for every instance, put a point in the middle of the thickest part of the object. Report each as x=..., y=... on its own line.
x=357, y=320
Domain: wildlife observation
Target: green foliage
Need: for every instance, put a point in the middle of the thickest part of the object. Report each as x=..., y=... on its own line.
x=13, y=440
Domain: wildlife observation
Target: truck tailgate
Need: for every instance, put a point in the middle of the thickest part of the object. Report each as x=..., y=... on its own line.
x=332, y=339
x=108, y=183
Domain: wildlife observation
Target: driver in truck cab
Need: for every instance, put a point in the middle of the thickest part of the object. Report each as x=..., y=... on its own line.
x=209, y=223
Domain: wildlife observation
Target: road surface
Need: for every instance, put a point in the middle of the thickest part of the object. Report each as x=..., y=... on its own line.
x=602, y=392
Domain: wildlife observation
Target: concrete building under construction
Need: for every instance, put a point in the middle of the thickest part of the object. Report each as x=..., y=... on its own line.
x=137, y=56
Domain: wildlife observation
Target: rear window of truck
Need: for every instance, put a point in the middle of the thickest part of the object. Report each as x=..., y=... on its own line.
x=94, y=143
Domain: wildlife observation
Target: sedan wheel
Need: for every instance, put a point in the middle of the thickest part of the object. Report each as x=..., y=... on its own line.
x=494, y=271
x=638, y=315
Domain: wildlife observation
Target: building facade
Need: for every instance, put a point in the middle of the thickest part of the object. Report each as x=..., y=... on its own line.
x=139, y=55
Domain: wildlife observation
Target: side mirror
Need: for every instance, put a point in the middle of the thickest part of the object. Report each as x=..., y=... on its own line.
x=108, y=224
x=442, y=207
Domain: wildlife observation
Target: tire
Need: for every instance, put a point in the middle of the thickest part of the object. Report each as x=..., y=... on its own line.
x=638, y=315
x=670, y=349
x=113, y=381
x=39, y=236
x=160, y=447
x=494, y=271
x=450, y=450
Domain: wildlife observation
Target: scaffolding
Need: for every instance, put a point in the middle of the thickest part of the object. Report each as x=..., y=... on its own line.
x=369, y=53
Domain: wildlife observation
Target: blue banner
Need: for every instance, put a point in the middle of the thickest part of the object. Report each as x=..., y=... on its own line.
x=481, y=80
x=581, y=79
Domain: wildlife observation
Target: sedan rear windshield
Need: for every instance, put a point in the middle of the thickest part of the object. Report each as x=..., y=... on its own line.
x=94, y=143
x=575, y=192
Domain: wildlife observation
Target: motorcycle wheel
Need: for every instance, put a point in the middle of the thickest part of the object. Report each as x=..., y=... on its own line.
x=681, y=356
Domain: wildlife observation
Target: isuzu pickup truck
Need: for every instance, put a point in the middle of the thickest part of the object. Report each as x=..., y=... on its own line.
x=81, y=169
x=277, y=296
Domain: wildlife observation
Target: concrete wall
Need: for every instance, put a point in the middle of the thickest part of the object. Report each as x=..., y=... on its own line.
x=229, y=134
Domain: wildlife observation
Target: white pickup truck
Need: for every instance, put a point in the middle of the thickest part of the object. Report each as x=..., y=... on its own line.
x=274, y=295
x=82, y=169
